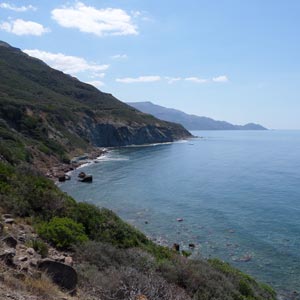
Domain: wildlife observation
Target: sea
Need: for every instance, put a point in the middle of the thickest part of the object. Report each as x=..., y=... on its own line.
x=235, y=195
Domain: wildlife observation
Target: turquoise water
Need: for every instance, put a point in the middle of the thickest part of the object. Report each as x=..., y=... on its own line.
x=237, y=191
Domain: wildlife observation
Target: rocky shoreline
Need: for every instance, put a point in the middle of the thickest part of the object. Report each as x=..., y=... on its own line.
x=59, y=171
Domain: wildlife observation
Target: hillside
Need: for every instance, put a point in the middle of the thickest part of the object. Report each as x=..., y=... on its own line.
x=46, y=112
x=191, y=122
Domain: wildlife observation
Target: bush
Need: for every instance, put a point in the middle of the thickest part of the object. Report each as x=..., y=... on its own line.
x=103, y=225
x=39, y=246
x=62, y=232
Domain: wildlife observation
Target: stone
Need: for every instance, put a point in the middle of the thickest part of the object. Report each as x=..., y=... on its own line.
x=21, y=239
x=81, y=175
x=1, y=228
x=7, y=216
x=59, y=258
x=69, y=260
x=23, y=258
x=62, y=178
x=7, y=256
x=9, y=221
x=33, y=262
x=10, y=241
x=30, y=251
x=61, y=274
x=191, y=245
x=176, y=247
x=179, y=219
x=87, y=178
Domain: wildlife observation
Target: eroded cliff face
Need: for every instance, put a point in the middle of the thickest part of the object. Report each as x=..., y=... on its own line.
x=116, y=135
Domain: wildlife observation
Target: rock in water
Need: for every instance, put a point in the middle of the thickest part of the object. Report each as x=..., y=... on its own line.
x=87, y=178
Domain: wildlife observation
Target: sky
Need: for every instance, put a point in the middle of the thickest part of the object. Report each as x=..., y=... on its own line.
x=233, y=60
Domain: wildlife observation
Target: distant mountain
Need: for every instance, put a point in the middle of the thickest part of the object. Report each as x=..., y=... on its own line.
x=191, y=122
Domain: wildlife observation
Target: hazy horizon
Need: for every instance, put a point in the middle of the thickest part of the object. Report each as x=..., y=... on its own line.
x=227, y=60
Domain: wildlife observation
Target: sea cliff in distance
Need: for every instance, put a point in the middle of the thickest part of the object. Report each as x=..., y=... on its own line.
x=191, y=122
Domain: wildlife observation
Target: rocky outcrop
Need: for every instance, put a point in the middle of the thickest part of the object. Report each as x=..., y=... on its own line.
x=21, y=259
x=62, y=274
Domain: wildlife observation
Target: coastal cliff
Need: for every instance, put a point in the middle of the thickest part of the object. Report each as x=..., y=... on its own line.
x=46, y=111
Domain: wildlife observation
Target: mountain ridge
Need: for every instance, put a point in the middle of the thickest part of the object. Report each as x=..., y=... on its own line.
x=190, y=121
x=44, y=111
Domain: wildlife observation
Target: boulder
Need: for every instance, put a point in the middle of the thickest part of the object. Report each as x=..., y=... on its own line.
x=87, y=178
x=63, y=275
x=62, y=178
x=23, y=258
x=69, y=260
x=9, y=221
x=176, y=247
x=10, y=241
x=7, y=216
x=30, y=251
x=81, y=175
x=191, y=245
x=8, y=256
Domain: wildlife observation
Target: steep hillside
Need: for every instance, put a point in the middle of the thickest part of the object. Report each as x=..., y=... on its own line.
x=191, y=122
x=44, y=111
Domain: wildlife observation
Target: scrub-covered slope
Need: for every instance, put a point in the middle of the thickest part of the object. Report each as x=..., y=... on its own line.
x=45, y=110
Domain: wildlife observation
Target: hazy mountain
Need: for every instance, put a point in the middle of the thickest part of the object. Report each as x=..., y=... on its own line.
x=191, y=122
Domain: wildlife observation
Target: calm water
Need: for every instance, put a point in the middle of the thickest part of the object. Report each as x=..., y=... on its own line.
x=237, y=191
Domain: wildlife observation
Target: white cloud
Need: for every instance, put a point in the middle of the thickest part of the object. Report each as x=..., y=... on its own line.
x=68, y=64
x=139, y=79
x=222, y=78
x=119, y=56
x=21, y=27
x=171, y=80
x=196, y=79
x=108, y=21
x=17, y=8
x=96, y=83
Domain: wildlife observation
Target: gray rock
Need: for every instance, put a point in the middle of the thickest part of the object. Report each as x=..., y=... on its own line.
x=10, y=241
x=63, y=275
x=8, y=256
x=7, y=216
x=69, y=260
x=9, y=221
x=23, y=258
x=30, y=251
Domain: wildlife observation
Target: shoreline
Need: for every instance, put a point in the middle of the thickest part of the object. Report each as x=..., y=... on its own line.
x=61, y=170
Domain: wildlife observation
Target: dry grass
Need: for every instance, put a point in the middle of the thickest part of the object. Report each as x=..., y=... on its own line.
x=42, y=287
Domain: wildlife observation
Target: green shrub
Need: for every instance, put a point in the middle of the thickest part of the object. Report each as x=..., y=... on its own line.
x=39, y=246
x=62, y=232
x=104, y=225
x=245, y=288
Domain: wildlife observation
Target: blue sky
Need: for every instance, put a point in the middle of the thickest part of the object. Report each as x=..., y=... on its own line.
x=230, y=60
